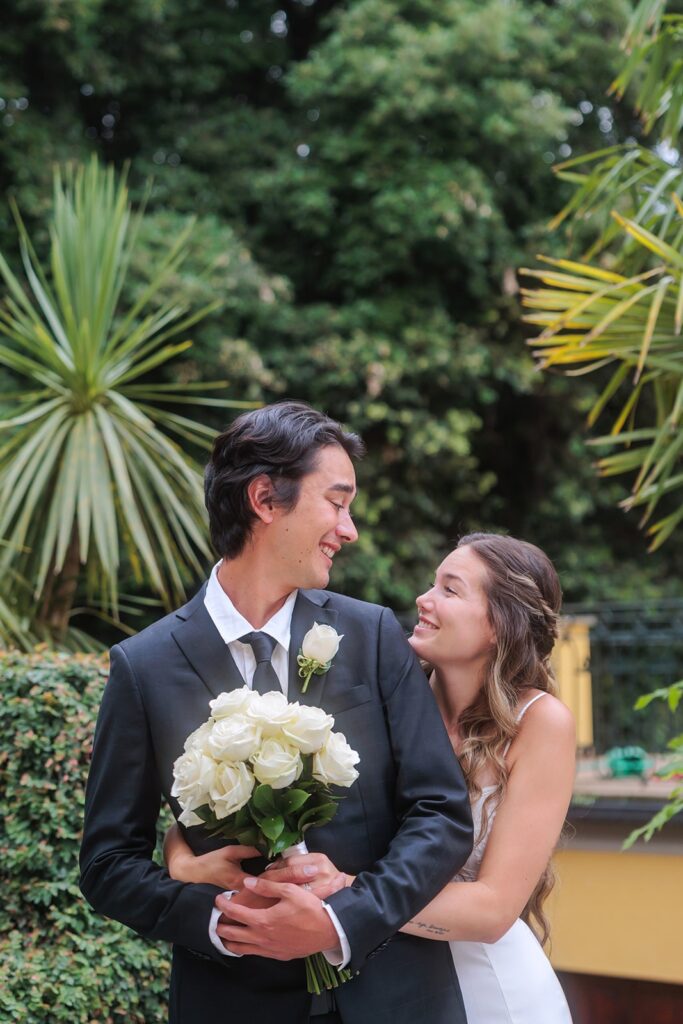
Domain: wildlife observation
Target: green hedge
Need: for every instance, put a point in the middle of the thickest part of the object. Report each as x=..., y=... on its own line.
x=59, y=962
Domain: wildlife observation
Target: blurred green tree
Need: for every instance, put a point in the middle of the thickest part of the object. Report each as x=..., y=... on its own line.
x=378, y=170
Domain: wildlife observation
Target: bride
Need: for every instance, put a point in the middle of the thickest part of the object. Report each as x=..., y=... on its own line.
x=485, y=632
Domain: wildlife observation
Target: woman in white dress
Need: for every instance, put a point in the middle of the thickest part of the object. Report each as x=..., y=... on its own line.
x=485, y=631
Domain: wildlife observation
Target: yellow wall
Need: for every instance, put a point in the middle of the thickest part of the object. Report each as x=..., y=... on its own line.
x=618, y=914
x=571, y=659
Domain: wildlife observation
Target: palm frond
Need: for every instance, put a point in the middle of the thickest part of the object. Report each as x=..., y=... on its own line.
x=590, y=318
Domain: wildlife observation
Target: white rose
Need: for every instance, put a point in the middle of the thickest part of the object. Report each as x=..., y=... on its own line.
x=193, y=777
x=271, y=711
x=333, y=766
x=232, y=702
x=321, y=643
x=309, y=729
x=197, y=739
x=277, y=764
x=231, y=789
x=233, y=739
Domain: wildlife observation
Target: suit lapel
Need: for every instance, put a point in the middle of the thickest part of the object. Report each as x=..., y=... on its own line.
x=204, y=648
x=311, y=606
x=209, y=656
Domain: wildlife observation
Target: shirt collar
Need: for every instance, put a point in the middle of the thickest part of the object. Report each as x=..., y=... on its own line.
x=231, y=624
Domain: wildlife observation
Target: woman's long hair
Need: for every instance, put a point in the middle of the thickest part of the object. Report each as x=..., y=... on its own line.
x=524, y=597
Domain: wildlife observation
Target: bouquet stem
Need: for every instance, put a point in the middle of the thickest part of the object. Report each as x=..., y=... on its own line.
x=319, y=973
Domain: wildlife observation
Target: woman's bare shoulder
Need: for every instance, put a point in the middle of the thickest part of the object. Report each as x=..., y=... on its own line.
x=547, y=717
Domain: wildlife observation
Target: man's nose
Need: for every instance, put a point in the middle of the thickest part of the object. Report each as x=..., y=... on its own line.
x=346, y=528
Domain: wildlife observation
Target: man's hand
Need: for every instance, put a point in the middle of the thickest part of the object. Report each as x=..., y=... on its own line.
x=295, y=926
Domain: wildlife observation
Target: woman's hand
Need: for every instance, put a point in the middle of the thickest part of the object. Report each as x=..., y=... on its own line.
x=219, y=867
x=313, y=870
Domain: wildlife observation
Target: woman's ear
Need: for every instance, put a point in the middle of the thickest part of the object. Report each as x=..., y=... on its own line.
x=260, y=493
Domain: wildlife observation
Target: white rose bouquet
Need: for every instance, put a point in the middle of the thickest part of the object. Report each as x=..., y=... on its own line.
x=259, y=771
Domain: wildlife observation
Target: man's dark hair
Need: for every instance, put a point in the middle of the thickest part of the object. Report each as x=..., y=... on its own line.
x=280, y=440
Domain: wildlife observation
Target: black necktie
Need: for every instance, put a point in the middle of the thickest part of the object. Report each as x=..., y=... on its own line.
x=265, y=676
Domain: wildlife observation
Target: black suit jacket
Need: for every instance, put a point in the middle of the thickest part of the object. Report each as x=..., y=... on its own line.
x=404, y=828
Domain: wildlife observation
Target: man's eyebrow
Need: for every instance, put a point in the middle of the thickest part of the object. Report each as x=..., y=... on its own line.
x=344, y=488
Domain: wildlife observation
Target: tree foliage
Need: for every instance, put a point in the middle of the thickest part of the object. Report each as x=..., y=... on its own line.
x=374, y=173
x=621, y=309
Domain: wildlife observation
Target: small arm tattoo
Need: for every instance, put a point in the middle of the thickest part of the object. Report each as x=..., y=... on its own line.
x=431, y=929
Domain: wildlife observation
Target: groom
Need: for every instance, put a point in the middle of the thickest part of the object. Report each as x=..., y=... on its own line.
x=279, y=488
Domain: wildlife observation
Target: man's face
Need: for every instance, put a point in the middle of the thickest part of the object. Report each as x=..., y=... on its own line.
x=307, y=538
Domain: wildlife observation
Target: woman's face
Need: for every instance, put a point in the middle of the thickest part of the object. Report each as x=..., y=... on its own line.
x=453, y=627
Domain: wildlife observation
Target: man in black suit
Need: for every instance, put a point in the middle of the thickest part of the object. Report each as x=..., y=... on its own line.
x=278, y=490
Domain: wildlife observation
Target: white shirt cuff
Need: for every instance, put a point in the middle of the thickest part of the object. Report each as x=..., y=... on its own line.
x=340, y=956
x=213, y=925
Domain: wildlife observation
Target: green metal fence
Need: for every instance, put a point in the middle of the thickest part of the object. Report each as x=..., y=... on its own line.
x=635, y=648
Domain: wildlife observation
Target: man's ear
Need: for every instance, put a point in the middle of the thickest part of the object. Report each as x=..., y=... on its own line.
x=260, y=494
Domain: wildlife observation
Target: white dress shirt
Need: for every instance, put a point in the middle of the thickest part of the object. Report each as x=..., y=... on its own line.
x=231, y=625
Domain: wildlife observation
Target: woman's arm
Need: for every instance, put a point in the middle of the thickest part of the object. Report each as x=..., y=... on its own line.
x=524, y=832
x=219, y=867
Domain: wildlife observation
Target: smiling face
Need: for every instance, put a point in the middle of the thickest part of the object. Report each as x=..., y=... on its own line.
x=305, y=540
x=453, y=626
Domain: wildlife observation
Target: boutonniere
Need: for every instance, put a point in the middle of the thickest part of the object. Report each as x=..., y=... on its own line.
x=318, y=648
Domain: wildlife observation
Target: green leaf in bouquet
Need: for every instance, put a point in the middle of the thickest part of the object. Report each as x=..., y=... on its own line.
x=272, y=828
x=286, y=840
x=250, y=837
x=291, y=800
x=242, y=818
x=206, y=814
x=318, y=815
x=326, y=811
x=263, y=800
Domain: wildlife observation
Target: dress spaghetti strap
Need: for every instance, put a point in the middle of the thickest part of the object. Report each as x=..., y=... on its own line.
x=528, y=704
x=521, y=715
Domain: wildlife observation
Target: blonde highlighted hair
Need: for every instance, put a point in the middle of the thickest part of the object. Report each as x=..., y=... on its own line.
x=524, y=598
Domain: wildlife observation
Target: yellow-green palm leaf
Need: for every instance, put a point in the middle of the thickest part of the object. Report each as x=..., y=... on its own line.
x=591, y=318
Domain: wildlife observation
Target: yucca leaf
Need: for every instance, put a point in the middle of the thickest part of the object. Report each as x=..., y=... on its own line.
x=86, y=456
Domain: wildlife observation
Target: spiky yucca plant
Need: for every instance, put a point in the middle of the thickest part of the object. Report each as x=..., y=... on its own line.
x=90, y=472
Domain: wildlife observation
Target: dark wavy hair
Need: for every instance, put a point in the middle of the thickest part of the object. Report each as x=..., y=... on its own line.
x=281, y=441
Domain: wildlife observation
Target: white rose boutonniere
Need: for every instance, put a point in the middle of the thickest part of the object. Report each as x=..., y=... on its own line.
x=318, y=648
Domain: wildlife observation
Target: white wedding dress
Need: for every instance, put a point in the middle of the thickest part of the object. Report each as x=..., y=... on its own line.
x=509, y=981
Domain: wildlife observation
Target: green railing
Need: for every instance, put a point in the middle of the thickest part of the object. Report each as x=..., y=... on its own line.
x=634, y=648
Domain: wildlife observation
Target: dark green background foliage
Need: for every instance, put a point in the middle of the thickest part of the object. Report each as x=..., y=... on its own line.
x=59, y=962
x=367, y=177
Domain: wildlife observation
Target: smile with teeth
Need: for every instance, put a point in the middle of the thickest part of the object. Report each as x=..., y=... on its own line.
x=327, y=550
x=425, y=623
